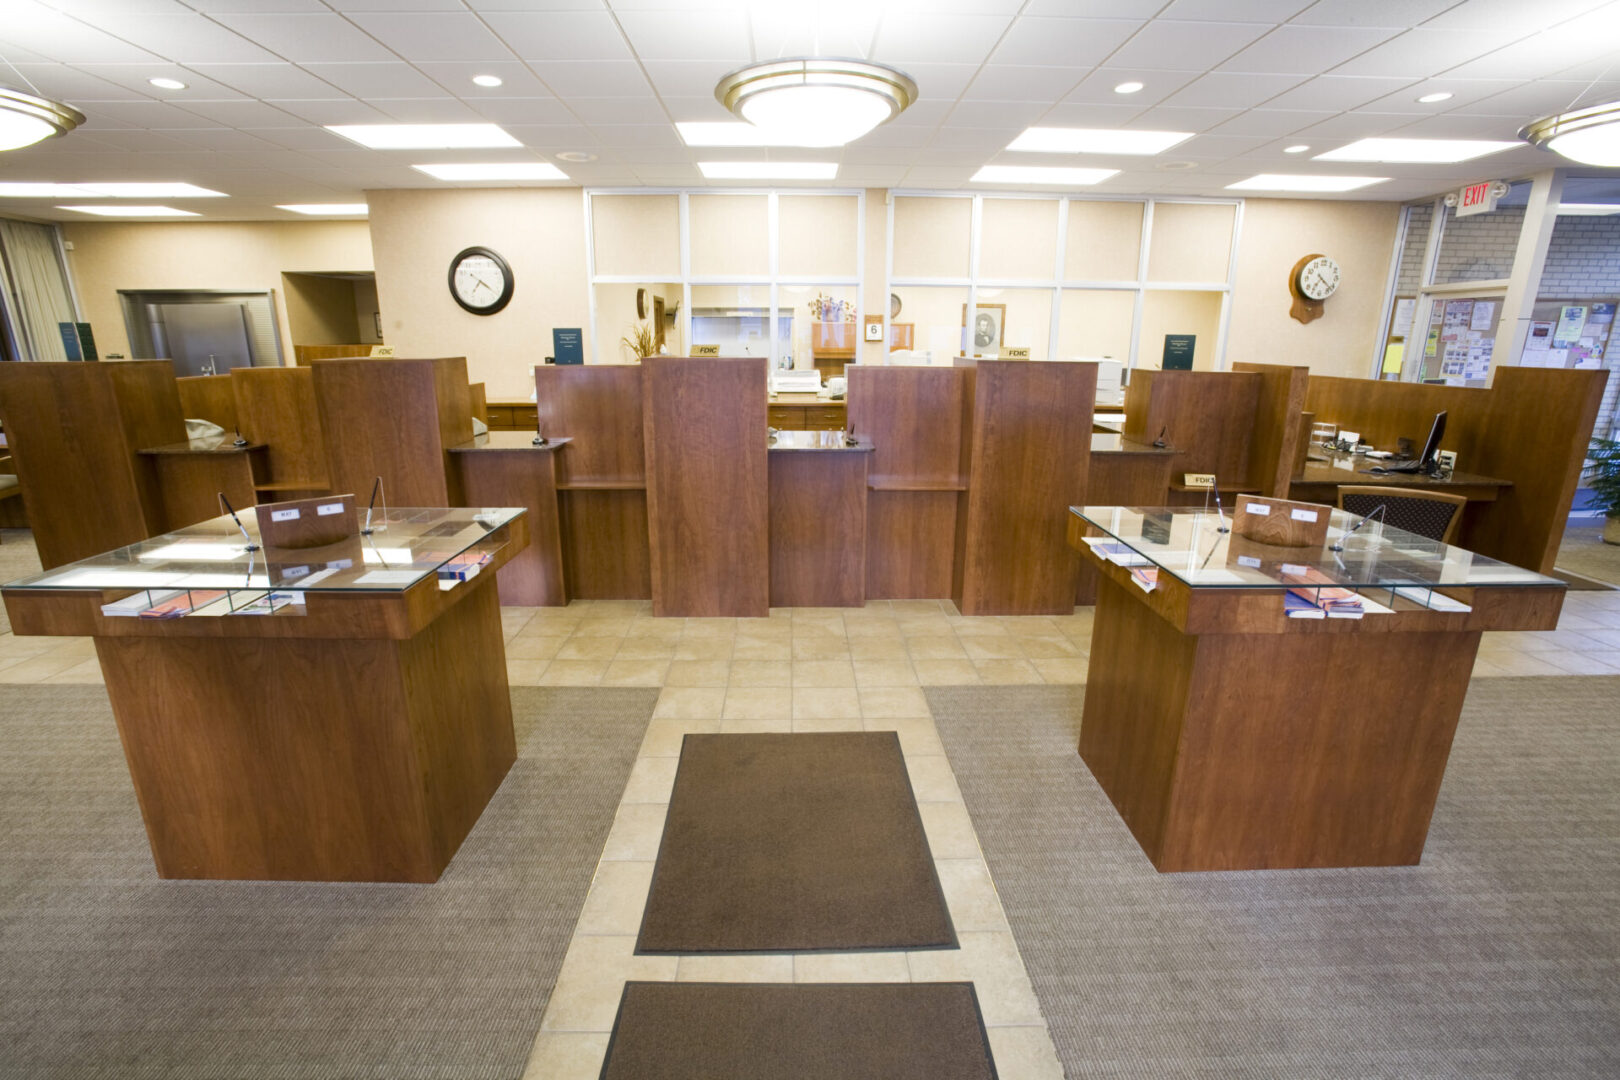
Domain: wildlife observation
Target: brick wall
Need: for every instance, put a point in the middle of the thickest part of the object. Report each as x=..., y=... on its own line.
x=1410, y=277
x=1478, y=248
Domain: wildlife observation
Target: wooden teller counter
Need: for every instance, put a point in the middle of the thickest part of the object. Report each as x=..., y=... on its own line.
x=662, y=481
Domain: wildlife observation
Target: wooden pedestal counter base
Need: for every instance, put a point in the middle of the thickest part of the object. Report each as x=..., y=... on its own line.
x=1231, y=737
x=359, y=741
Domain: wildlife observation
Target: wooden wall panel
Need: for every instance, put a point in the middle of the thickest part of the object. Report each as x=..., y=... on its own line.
x=189, y=485
x=523, y=476
x=396, y=419
x=605, y=543
x=276, y=406
x=707, y=485
x=1275, y=441
x=208, y=397
x=74, y=431
x=818, y=528
x=306, y=354
x=1031, y=446
x=1207, y=415
x=1118, y=478
x=910, y=541
x=599, y=407
x=915, y=419
x=479, y=401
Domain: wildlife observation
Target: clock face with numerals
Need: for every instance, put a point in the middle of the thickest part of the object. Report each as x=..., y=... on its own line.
x=480, y=281
x=1318, y=278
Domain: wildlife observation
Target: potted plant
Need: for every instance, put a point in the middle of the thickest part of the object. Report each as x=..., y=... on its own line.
x=1603, y=475
x=641, y=341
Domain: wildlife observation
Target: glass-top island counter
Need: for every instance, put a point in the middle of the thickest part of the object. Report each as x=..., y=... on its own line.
x=1252, y=705
x=337, y=712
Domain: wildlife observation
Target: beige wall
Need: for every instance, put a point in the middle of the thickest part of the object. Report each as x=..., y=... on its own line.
x=1276, y=234
x=249, y=256
x=320, y=310
x=540, y=232
x=365, y=311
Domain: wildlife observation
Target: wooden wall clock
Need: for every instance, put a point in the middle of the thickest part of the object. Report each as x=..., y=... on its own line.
x=1312, y=280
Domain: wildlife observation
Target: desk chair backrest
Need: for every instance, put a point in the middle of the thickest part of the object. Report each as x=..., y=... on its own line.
x=1433, y=514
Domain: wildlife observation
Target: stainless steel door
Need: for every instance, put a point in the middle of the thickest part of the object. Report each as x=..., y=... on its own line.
x=203, y=339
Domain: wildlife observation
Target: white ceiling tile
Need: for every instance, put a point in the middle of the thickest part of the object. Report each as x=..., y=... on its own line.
x=1262, y=11
x=308, y=137
x=433, y=110
x=434, y=35
x=1184, y=46
x=394, y=5
x=927, y=37
x=505, y=111
x=1098, y=87
x=929, y=112
x=1085, y=114
x=1232, y=90
x=553, y=137
x=1216, y=147
x=821, y=29
x=243, y=114
x=1096, y=9
x=1459, y=126
x=575, y=36
x=635, y=135
x=517, y=81
x=53, y=36
x=1305, y=50
x=687, y=78
x=598, y=78
x=1529, y=100
x=878, y=155
x=1492, y=14
x=331, y=111
x=688, y=35
x=135, y=77
x=1012, y=82
x=619, y=110
x=537, y=5
x=1013, y=116
x=184, y=38
x=266, y=81
x=294, y=6
x=695, y=108
x=1271, y=123
x=151, y=114
x=1063, y=42
x=222, y=139
x=146, y=142
x=1425, y=51
x=940, y=82
x=70, y=84
x=966, y=138
x=895, y=137
x=1462, y=91
x=1399, y=13
x=1588, y=37
x=90, y=10
x=1182, y=118
x=1348, y=127
x=396, y=79
x=871, y=175
x=1336, y=93
x=309, y=38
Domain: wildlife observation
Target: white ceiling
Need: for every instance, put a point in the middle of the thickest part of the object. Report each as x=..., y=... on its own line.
x=609, y=77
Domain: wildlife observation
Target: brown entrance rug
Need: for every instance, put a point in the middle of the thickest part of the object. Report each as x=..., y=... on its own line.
x=823, y=1031
x=793, y=843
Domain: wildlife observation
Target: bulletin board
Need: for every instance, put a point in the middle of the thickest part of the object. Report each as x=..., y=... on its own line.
x=1401, y=315
x=1570, y=334
x=1461, y=340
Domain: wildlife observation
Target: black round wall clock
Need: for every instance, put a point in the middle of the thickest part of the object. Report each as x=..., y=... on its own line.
x=480, y=281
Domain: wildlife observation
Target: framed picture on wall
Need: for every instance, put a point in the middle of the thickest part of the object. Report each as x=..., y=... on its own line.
x=989, y=331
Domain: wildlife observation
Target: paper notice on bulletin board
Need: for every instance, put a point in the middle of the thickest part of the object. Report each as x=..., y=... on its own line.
x=1540, y=338
x=1457, y=315
x=1557, y=357
x=1393, y=352
x=1570, y=321
x=1484, y=312
x=1405, y=309
x=1432, y=346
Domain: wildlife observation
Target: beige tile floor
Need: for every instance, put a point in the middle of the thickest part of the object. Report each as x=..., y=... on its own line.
x=817, y=670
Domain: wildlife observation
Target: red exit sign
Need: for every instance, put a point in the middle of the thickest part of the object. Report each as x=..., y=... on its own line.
x=1476, y=199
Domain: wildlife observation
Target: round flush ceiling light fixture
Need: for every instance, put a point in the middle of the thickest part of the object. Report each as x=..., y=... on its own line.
x=575, y=155
x=1128, y=87
x=26, y=119
x=163, y=83
x=816, y=102
x=1437, y=96
x=490, y=81
x=1590, y=135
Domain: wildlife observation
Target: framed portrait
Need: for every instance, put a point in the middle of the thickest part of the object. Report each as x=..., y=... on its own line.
x=989, y=330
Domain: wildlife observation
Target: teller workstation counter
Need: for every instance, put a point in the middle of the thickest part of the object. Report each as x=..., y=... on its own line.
x=304, y=713
x=668, y=486
x=1253, y=704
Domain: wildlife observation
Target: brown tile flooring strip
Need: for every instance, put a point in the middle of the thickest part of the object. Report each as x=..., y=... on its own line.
x=109, y=972
x=852, y=1031
x=1495, y=956
x=793, y=843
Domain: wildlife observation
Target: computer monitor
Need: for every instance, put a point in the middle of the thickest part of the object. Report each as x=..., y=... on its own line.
x=1426, y=463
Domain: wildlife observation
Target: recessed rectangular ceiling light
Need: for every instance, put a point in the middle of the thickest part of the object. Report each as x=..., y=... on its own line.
x=769, y=170
x=727, y=133
x=125, y=210
x=347, y=209
x=424, y=136
x=1040, y=174
x=1055, y=140
x=493, y=170
x=1416, y=151
x=106, y=190
x=1279, y=182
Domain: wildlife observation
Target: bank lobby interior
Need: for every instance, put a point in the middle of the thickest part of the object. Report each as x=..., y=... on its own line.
x=534, y=544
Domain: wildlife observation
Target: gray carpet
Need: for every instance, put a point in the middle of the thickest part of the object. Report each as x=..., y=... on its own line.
x=1583, y=552
x=110, y=972
x=1498, y=956
x=18, y=559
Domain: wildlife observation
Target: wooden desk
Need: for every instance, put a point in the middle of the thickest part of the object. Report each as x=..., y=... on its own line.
x=1231, y=737
x=192, y=474
x=805, y=412
x=817, y=519
x=1326, y=472
x=505, y=468
x=357, y=738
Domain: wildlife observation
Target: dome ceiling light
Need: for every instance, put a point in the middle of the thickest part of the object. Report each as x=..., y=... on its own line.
x=26, y=119
x=1590, y=136
x=818, y=102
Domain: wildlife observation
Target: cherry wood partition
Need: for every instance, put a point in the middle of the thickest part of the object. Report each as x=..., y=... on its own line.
x=915, y=419
x=1207, y=415
x=1030, y=446
x=505, y=468
x=601, y=477
x=208, y=397
x=1275, y=438
x=75, y=431
x=1530, y=427
x=707, y=485
x=276, y=406
x=818, y=526
x=397, y=419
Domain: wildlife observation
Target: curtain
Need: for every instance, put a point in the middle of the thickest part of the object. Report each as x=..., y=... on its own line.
x=36, y=288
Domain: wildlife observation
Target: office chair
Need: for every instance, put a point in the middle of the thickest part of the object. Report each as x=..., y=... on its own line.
x=1433, y=514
